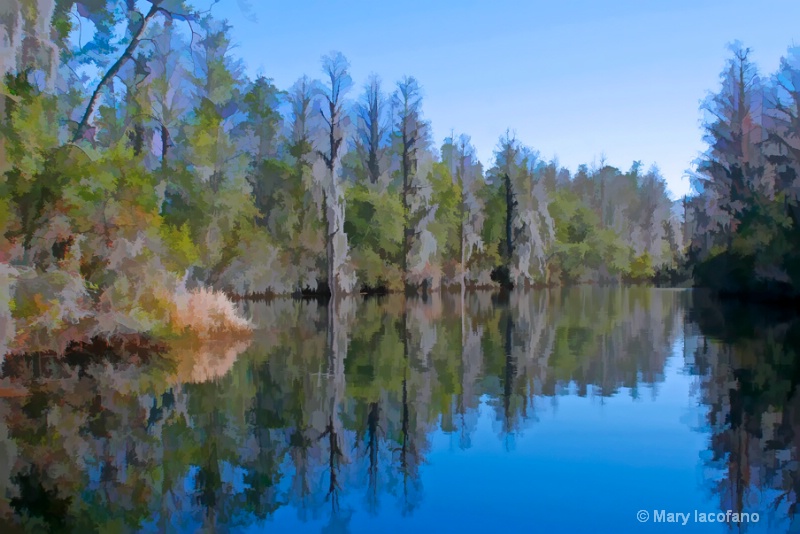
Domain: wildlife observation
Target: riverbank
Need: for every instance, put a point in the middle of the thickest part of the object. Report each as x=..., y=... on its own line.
x=48, y=312
x=52, y=311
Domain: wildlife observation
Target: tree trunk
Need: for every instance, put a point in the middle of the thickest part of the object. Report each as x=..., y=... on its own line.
x=330, y=232
x=462, y=249
x=164, y=149
x=406, y=216
x=509, y=219
x=109, y=75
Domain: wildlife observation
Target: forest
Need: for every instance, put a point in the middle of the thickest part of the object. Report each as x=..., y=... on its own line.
x=146, y=182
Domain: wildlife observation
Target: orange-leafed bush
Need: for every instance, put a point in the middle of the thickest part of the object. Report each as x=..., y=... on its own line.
x=206, y=314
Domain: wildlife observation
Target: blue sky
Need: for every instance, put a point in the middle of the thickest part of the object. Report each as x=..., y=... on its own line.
x=575, y=79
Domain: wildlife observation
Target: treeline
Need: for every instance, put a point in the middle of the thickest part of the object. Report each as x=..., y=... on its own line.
x=135, y=168
x=128, y=160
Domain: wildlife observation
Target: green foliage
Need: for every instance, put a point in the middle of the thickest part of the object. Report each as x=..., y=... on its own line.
x=575, y=229
x=641, y=269
x=178, y=241
x=375, y=235
x=493, y=231
x=447, y=197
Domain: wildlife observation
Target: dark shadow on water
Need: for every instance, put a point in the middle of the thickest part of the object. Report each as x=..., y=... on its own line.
x=748, y=362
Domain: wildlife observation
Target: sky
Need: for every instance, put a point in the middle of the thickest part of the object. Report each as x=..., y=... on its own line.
x=576, y=79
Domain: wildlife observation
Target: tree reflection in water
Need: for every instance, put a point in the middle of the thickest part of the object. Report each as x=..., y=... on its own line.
x=747, y=360
x=333, y=409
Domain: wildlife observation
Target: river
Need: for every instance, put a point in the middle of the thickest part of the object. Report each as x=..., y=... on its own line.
x=576, y=410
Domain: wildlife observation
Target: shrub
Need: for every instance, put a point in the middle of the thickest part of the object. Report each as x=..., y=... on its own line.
x=206, y=313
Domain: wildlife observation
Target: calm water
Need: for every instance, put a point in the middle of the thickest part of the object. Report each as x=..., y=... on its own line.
x=565, y=411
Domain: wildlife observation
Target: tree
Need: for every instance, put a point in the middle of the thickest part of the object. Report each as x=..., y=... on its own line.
x=460, y=157
x=261, y=103
x=372, y=130
x=743, y=219
x=335, y=67
x=214, y=155
x=732, y=167
x=528, y=227
x=137, y=25
x=411, y=136
x=506, y=167
x=308, y=244
x=169, y=76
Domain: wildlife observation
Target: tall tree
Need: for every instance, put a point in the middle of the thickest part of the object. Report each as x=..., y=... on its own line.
x=214, y=153
x=460, y=156
x=137, y=24
x=528, y=227
x=733, y=165
x=261, y=102
x=372, y=129
x=373, y=209
x=337, y=84
x=411, y=133
x=783, y=146
x=168, y=88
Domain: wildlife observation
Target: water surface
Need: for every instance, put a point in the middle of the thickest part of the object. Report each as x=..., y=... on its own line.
x=568, y=410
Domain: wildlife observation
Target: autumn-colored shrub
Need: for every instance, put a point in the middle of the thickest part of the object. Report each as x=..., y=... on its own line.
x=207, y=313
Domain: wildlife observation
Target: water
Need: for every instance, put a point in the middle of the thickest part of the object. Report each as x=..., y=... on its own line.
x=569, y=411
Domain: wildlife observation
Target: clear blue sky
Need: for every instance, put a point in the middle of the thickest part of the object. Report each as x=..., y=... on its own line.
x=574, y=79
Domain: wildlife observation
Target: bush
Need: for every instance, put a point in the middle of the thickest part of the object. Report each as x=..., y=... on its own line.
x=206, y=314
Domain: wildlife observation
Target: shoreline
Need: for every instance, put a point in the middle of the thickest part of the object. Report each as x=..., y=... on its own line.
x=141, y=343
